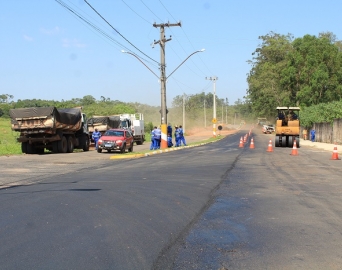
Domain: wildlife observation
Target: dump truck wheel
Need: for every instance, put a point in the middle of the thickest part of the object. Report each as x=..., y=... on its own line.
x=62, y=145
x=55, y=147
x=31, y=149
x=24, y=147
x=85, y=143
x=70, y=145
x=139, y=142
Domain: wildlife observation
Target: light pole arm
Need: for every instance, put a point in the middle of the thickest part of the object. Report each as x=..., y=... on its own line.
x=184, y=61
x=141, y=62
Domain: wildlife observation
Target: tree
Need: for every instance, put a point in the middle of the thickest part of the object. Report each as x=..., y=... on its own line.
x=314, y=70
x=265, y=91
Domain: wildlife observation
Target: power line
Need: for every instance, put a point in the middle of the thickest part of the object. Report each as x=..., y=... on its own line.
x=151, y=11
x=119, y=32
x=135, y=12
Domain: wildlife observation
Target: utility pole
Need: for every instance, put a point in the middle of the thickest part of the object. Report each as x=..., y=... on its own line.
x=163, y=109
x=205, y=116
x=226, y=111
x=213, y=79
x=183, y=113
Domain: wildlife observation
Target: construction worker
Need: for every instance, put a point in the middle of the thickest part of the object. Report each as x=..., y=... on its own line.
x=313, y=135
x=169, y=140
x=181, y=136
x=153, y=139
x=177, y=136
x=169, y=130
x=158, y=137
x=96, y=136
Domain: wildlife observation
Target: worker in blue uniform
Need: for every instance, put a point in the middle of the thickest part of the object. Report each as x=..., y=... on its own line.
x=153, y=138
x=169, y=130
x=169, y=140
x=157, y=138
x=181, y=136
x=96, y=136
x=177, y=136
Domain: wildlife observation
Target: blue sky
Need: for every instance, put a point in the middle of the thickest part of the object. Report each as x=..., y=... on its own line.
x=49, y=53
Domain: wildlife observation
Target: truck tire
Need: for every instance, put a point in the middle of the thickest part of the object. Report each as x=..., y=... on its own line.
x=55, y=147
x=140, y=142
x=70, y=145
x=31, y=149
x=24, y=147
x=85, y=142
x=62, y=145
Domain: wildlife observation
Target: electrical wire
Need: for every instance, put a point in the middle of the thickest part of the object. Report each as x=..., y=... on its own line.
x=100, y=31
x=119, y=32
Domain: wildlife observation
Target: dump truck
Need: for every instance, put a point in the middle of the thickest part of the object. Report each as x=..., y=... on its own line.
x=287, y=127
x=133, y=122
x=102, y=123
x=57, y=130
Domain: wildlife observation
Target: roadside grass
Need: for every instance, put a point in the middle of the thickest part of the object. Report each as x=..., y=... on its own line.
x=8, y=139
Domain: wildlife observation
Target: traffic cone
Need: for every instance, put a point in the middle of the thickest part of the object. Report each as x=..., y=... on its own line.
x=241, y=143
x=294, y=151
x=251, y=146
x=270, y=148
x=245, y=138
x=335, y=153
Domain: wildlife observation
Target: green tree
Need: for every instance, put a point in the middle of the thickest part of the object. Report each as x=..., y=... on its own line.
x=313, y=73
x=265, y=91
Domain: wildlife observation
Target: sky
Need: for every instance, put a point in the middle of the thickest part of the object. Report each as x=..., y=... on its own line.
x=64, y=49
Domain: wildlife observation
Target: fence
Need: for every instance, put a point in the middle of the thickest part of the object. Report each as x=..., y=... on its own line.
x=328, y=133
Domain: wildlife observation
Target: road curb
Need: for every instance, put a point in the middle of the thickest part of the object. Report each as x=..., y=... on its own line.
x=161, y=151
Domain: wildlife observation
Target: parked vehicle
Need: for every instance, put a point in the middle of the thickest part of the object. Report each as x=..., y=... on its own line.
x=57, y=130
x=103, y=123
x=135, y=123
x=268, y=129
x=132, y=122
x=116, y=140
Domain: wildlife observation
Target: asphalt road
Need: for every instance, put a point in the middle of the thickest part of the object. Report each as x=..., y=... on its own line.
x=215, y=206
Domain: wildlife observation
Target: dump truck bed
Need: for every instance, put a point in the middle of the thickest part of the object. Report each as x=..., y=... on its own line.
x=45, y=119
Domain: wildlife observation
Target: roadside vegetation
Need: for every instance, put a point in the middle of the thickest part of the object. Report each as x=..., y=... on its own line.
x=8, y=139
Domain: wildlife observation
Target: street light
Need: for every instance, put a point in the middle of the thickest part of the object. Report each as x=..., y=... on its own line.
x=140, y=61
x=184, y=61
x=163, y=79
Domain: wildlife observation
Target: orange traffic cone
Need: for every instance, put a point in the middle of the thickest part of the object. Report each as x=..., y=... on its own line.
x=270, y=148
x=252, y=144
x=241, y=143
x=245, y=138
x=335, y=153
x=294, y=149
